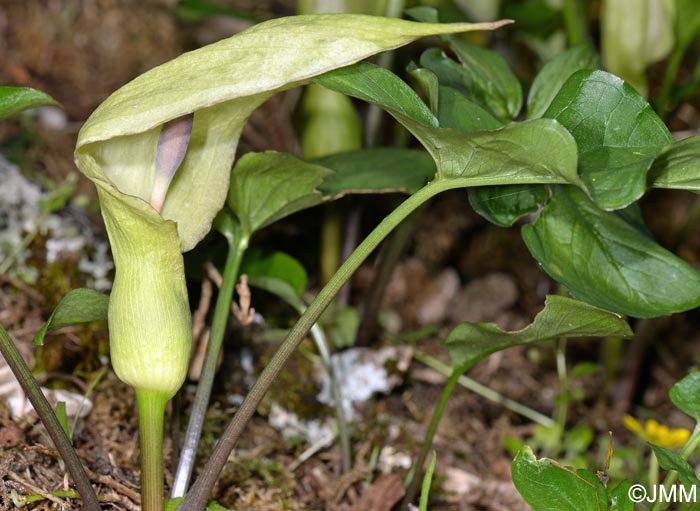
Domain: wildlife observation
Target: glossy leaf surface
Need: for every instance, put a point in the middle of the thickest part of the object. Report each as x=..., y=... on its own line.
x=678, y=166
x=15, y=99
x=504, y=205
x=268, y=186
x=617, y=132
x=548, y=486
x=606, y=261
x=685, y=394
x=555, y=73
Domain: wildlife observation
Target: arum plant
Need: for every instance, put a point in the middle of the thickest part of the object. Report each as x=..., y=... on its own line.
x=159, y=151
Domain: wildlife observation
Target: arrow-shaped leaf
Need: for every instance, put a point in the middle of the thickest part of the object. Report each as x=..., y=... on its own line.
x=561, y=317
x=548, y=486
x=605, y=260
x=617, y=132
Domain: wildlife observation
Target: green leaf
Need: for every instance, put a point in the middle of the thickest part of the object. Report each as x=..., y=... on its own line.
x=266, y=187
x=428, y=83
x=15, y=99
x=222, y=83
x=343, y=323
x=619, y=497
x=277, y=265
x=380, y=170
x=482, y=74
x=457, y=112
x=678, y=166
x=280, y=288
x=616, y=176
x=535, y=151
x=553, y=75
x=62, y=416
x=604, y=260
x=617, y=132
x=548, y=486
x=561, y=317
x=489, y=79
x=669, y=460
x=78, y=306
x=504, y=205
x=380, y=86
x=685, y=394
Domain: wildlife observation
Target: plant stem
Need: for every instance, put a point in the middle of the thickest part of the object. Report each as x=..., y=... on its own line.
x=343, y=434
x=563, y=398
x=48, y=418
x=653, y=470
x=670, y=73
x=413, y=479
x=690, y=446
x=237, y=248
x=484, y=391
x=151, y=406
x=197, y=497
x=574, y=21
x=388, y=258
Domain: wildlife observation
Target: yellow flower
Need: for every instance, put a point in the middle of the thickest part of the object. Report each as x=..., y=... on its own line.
x=656, y=433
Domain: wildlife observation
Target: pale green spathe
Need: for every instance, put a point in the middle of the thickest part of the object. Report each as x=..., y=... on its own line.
x=222, y=84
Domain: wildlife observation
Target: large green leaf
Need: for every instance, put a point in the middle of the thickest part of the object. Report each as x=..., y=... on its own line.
x=266, y=187
x=379, y=170
x=78, y=306
x=553, y=75
x=617, y=132
x=15, y=99
x=536, y=151
x=678, y=166
x=222, y=83
x=606, y=261
x=561, y=317
x=548, y=486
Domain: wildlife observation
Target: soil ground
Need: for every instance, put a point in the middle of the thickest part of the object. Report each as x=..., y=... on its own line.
x=81, y=50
